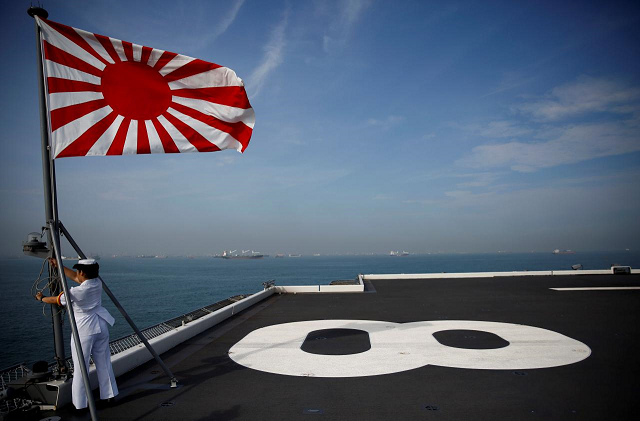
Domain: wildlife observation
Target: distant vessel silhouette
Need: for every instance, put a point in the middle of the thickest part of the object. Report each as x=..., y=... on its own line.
x=398, y=254
x=246, y=254
x=558, y=251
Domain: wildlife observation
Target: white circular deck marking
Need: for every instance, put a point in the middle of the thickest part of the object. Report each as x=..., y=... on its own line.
x=399, y=347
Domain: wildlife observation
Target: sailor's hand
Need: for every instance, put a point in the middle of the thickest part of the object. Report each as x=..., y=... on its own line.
x=39, y=296
x=53, y=262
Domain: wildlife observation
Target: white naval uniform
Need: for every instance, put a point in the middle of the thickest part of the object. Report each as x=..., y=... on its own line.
x=93, y=322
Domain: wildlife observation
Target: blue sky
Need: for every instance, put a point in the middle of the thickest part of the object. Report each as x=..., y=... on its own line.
x=418, y=126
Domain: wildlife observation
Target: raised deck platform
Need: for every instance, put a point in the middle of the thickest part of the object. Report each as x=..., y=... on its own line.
x=590, y=355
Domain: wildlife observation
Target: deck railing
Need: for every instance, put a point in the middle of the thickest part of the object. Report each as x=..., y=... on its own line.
x=13, y=373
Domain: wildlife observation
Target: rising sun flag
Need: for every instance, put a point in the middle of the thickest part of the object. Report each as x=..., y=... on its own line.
x=111, y=97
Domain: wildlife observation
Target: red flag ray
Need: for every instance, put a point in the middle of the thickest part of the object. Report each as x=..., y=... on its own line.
x=65, y=115
x=72, y=35
x=146, y=53
x=59, y=56
x=117, y=146
x=63, y=85
x=72, y=131
x=155, y=144
x=108, y=47
x=222, y=112
x=182, y=143
x=194, y=67
x=143, y=146
x=177, y=62
x=112, y=97
x=154, y=56
x=165, y=58
x=128, y=50
x=239, y=131
x=168, y=144
x=104, y=141
x=233, y=96
x=118, y=46
x=82, y=144
x=195, y=138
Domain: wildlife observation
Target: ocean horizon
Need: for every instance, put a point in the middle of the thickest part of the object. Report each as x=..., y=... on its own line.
x=153, y=290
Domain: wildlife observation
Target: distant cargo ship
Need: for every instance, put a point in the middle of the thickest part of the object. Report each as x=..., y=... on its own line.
x=244, y=255
x=558, y=251
x=398, y=254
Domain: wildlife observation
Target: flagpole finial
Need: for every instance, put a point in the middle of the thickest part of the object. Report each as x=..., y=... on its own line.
x=37, y=11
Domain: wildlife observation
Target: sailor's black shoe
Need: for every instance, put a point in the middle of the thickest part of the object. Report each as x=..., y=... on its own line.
x=105, y=403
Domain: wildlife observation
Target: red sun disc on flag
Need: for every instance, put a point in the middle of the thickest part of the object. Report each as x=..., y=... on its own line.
x=135, y=90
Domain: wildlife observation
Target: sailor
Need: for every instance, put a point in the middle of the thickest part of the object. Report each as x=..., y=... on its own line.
x=93, y=322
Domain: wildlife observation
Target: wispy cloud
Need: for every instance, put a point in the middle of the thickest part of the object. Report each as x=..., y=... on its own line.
x=482, y=179
x=349, y=12
x=207, y=35
x=510, y=80
x=385, y=123
x=570, y=145
x=228, y=18
x=273, y=56
x=547, y=137
x=501, y=129
x=586, y=95
x=200, y=23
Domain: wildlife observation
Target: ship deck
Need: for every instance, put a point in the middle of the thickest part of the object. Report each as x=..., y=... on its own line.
x=603, y=385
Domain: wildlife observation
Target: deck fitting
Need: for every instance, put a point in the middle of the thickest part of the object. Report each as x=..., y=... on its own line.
x=312, y=411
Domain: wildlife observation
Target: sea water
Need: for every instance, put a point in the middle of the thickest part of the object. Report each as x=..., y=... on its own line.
x=153, y=290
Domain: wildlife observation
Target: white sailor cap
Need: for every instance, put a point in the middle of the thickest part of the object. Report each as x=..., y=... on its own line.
x=85, y=262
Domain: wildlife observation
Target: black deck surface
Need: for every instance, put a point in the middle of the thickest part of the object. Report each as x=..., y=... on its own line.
x=605, y=386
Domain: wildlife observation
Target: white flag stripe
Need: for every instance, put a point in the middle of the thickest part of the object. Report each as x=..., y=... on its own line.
x=181, y=142
x=222, y=76
x=58, y=40
x=63, y=72
x=221, y=112
x=68, y=133
x=155, y=144
x=65, y=99
x=102, y=144
x=154, y=57
x=175, y=63
x=137, y=52
x=117, y=45
x=95, y=44
x=221, y=139
x=131, y=141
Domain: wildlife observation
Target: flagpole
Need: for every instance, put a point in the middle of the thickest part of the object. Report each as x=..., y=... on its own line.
x=58, y=337
x=53, y=233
